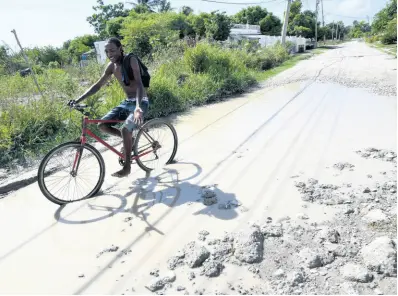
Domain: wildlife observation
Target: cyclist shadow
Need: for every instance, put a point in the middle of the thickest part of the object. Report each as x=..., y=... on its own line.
x=166, y=189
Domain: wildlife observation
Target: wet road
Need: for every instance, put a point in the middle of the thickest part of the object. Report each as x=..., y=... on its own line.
x=249, y=146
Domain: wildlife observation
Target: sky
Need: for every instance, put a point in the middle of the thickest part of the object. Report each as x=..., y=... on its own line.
x=51, y=22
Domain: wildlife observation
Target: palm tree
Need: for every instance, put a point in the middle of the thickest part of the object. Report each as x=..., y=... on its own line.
x=148, y=3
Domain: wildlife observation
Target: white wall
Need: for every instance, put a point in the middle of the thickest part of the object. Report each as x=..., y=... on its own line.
x=100, y=50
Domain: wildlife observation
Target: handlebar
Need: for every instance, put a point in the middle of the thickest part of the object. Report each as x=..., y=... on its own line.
x=80, y=108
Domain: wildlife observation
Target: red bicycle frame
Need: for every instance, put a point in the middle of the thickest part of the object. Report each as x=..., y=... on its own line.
x=86, y=131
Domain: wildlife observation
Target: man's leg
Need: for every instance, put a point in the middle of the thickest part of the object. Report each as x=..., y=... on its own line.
x=127, y=144
x=126, y=132
x=106, y=128
x=114, y=114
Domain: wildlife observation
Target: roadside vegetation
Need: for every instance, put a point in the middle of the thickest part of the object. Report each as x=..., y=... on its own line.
x=189, y=56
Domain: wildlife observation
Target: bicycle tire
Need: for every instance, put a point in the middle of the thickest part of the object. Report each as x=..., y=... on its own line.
x=48, y=156
x=142, y=130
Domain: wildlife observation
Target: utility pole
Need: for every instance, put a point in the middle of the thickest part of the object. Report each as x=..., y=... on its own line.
x=323, y=25
x=316, y=24
x=337, y=32
x=332, y=30
x=285, y=23
x=27, y=61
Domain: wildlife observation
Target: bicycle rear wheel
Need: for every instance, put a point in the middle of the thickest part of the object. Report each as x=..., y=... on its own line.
x=156, y=144
x=71, y=172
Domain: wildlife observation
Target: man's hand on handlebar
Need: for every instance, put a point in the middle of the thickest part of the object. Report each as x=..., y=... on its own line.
x=72, y=103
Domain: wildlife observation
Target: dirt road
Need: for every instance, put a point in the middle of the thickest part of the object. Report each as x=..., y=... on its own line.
x=250, y=151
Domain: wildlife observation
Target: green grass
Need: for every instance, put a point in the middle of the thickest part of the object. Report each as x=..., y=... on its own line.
x=261, y=76
x=388, y=48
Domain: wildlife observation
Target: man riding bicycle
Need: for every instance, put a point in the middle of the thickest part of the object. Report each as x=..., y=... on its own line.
x=132, y=109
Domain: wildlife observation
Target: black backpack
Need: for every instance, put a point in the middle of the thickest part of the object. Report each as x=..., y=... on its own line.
x=127, y=71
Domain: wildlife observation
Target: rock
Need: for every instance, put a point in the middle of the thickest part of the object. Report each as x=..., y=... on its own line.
x=296, y=278
x=169, y=277
x=348, y=289
x=249, y=245
x=221, y=251
x=343, y=165
x=272, y=230
x=302, y=216
x=366, y=190
x=375, y=216
x=328, y=234
x=180, y=288
x=155, y=285
x=176, y=260
x=212, y=268
x=195, y=254
x=154, y=272
x=81, y=275
x=279, y=273
x=209, y=196
x=348, y=210
x=378, y=291
x=381, y=256
x=191, y=276
x=356, y=273
x=112, y=249
x=349, y=250
x=316, y=258
x=230, y=204
x=204, y=232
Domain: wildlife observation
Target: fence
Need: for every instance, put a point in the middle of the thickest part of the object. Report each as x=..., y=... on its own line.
x=266, y=40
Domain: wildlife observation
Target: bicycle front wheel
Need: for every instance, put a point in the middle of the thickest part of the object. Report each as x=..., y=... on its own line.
x=71, y=172
x=155, y=145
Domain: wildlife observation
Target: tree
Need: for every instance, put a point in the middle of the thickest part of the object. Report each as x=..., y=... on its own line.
x=164, y=6
x=302, y=20
x=113, y=27
x=251, y=15
x=104, y=13
x=197, y=23
x=80, y=45
x=186, y=10
x=384, y=16
x=360, y=29
x=218, y=26
x=141, y=8
x=148, y=5
x=271, y=25
x=303, y=32
x=295, y=9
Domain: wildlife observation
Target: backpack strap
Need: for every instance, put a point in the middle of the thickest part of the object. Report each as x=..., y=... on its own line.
x=127, y=71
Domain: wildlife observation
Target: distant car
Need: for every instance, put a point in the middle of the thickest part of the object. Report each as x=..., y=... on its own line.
x=25, y=72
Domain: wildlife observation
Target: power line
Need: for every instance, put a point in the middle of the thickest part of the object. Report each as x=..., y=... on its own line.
x=239, y=3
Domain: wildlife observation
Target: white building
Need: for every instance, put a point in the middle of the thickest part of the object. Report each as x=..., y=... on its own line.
x=253, y=32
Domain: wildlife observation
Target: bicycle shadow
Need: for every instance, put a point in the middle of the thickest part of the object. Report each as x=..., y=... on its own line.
x=167, y=189
x=149, y=191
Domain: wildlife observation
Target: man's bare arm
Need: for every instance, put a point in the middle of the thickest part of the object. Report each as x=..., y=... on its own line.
x=137, y=77
x=100, y=83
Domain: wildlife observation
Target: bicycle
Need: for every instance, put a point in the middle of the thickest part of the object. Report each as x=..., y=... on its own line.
x=78, y=162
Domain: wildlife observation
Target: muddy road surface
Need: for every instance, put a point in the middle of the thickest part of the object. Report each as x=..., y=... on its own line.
x=289, y=189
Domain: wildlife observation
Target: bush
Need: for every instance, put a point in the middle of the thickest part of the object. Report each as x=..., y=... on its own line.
x=390, y=36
